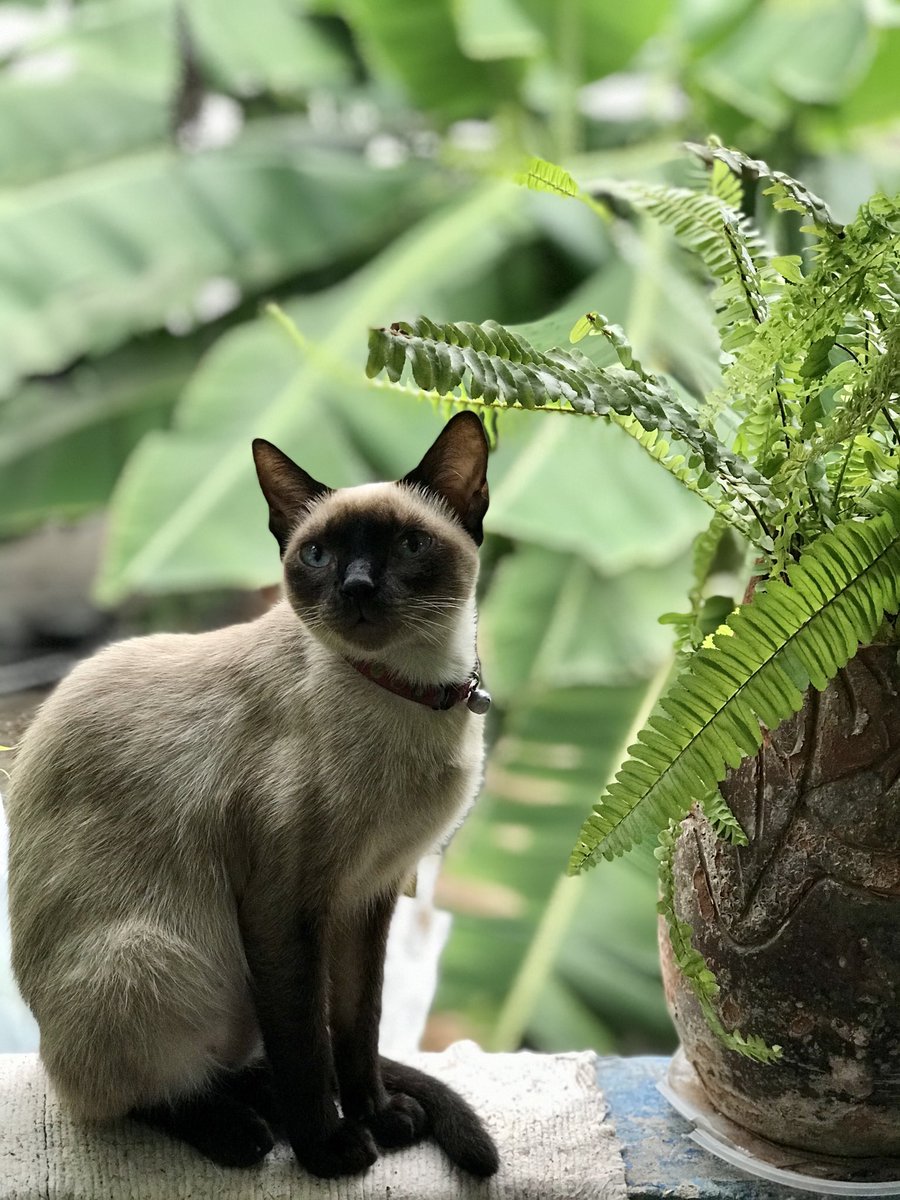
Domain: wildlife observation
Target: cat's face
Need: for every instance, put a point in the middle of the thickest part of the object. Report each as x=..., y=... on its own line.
x=377, y=565
x=384, y=564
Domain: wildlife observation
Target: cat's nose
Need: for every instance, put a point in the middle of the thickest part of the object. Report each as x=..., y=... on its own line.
x=358, y=583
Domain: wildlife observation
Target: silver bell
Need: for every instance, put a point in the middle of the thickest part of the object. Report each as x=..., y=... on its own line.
x=479, y=701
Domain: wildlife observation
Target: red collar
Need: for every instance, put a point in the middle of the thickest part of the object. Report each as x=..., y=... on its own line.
x=439, y=696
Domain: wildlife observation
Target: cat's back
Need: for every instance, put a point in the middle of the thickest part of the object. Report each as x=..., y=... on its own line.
x=133, y=713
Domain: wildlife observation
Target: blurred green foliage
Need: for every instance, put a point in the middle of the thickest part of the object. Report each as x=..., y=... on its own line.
x=162, y=174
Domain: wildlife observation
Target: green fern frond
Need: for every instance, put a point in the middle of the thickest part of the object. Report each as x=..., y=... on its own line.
x=538, y=175
x=865, y=397
x=693, y=965
x=732, y=250
x=787, y=193
x=845, y=282
x=696, y=218
x=710, y=224
x=467, y=362
x=794, y=634
x=542, y=176
x=724, y=184
x=706, y=613
x=725, y=824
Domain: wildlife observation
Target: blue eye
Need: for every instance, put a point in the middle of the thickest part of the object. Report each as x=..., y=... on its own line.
x=413, y=542
x=315, y=555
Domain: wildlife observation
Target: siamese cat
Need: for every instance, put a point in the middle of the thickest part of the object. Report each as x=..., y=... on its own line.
x=208, y=833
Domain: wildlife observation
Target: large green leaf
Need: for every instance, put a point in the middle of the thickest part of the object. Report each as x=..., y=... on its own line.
x=45, y=130
x=417, y=46
x=785, y=55
x=604, y=991
x=252, y=368
x=491, y=29
x=116, y=72
x=876, y=101
x=606, y=37
x=506, y=861
x=89, y=259
x=557, y=743
x=552, y=601
x=188, y=510
x=586, y=488
x=268, y=45
x=63, y=441
x=95, y=82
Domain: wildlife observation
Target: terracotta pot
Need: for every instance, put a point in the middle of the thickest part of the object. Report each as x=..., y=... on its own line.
x=802, y=927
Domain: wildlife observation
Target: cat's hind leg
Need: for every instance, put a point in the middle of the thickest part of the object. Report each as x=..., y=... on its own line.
x=134, y=1016
x=216, y=1122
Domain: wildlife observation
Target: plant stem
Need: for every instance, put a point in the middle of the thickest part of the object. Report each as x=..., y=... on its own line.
x=763, y=526
x=839, y=483
x=847, y=350
x=894, y=430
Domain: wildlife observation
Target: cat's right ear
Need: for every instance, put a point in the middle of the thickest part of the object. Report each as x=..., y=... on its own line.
x=288, y=489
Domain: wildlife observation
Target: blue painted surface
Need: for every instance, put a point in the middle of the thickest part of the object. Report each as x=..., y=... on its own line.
x=660, y=1160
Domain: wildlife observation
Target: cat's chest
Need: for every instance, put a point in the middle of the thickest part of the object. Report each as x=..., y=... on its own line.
x=405, y=763
x=396, y=779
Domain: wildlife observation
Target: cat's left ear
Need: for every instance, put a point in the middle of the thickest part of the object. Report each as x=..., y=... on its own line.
x=287, y=487
x=456, y=468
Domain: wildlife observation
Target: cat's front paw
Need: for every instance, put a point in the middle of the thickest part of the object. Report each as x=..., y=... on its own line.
x=400, y=1122
x=348, y=1150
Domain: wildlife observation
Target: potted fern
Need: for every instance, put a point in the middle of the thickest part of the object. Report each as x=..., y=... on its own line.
x=770, y=769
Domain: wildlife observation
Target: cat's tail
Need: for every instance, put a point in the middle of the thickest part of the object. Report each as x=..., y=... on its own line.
x=455, y=1125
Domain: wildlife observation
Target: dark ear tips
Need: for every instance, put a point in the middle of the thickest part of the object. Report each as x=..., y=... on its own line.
x=288, y=489
x=472, y=420
x=455, y=468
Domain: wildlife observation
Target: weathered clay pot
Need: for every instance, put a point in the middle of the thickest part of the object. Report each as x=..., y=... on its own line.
x=802, y=927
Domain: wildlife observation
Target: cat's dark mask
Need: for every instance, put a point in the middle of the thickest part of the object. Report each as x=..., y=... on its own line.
x=371, y=565
x=455, y=469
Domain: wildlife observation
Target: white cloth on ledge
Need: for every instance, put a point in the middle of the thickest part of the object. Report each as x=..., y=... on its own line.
x=546, y=1113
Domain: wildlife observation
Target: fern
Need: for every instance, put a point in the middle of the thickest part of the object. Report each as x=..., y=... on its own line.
x=691, y=962
x=787, y=194
x=789, y=361
x=799, y=451
x=541, y=176
x=794, y=634
x=487, y=362
x=731, y=249
x=706, y=613
x=709, y=224
x=724, y=183
x=725, y=824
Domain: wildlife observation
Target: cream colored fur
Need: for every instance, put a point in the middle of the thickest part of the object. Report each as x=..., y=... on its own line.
x=172, y=779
